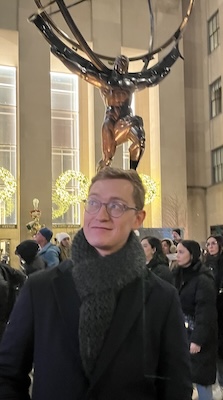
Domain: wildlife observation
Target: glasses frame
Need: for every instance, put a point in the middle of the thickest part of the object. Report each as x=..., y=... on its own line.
x=100, y=203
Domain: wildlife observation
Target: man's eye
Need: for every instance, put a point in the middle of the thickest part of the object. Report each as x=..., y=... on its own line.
x=115, y=206
x=93, y=203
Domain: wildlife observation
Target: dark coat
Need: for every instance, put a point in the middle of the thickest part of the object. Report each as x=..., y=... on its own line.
x=144, y=357
x=35, y=265
x=215, y=264
x=198, y=299
x=161, y=268
x=11, y=280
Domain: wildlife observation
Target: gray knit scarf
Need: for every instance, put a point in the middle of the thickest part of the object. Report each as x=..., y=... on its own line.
x=98, y=281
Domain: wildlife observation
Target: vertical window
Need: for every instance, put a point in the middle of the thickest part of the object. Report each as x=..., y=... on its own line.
x=217, y=165
x=126, y=145
x=7, y=145
x=65, y=138
x=215, y=98
x=213, y=32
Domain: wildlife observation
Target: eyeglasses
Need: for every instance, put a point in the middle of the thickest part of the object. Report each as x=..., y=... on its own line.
x=211, y=243
x=114, y=208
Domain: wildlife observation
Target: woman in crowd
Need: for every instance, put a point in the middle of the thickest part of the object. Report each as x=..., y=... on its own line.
x=170, y=250
x=64, y=244
x=195, y=284
x=214, y=261
x=156, y=260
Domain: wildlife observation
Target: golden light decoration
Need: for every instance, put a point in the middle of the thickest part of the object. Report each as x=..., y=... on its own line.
x=150, y=187
x=8, y=191
x=62, y=198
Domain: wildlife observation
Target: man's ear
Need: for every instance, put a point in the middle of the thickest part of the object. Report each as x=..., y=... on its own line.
x=140, y=216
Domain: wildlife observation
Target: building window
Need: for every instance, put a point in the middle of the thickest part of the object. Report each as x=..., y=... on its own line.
x=217, y=165
x=8, y=212
x=65, y=137
x=213, y=32
x=215, y=98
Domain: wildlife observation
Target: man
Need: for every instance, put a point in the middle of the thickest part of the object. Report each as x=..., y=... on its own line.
x=176, y=235
x=102, y=327
x=49, y=252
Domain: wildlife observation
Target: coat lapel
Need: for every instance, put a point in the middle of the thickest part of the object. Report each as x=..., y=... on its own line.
x=124, y=317
x=68, y=302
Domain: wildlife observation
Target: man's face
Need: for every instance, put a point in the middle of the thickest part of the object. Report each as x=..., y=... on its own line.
x=40, y=239
x=121, y=64
x=104, y=232
x=176, y=236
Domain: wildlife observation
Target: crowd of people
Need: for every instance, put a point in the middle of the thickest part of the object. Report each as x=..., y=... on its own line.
x=114, y=316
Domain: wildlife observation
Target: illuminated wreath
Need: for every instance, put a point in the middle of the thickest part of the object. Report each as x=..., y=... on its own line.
x=62, y=198
x=8, y=191
x=150, y=188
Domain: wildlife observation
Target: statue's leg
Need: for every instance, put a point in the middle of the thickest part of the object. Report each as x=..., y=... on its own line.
x=137, y=137
x=108, y=144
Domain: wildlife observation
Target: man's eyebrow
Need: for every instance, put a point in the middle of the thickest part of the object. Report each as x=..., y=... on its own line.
x=110, y=199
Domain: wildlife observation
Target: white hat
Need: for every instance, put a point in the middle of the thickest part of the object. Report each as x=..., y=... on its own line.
x=62, y=235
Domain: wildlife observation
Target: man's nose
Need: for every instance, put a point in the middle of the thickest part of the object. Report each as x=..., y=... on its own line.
x=103, y=213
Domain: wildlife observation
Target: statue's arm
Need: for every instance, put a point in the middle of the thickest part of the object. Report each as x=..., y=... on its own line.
x=154, y=75
x=81, y=67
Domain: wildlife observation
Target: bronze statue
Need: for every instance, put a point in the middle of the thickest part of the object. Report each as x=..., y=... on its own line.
x=116, y=85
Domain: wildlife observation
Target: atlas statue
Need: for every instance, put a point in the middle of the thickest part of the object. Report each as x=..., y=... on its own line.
x=116, y=85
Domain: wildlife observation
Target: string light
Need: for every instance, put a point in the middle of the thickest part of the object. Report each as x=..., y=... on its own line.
x=150, y=188
x=62, y=198
x=7, y=193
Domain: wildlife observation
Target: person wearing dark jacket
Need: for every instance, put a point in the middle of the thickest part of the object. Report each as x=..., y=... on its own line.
x=28, y=252
x=100, y=326
x=11, y=280
x=214, y=261
x=156, y=260
x=195, y=284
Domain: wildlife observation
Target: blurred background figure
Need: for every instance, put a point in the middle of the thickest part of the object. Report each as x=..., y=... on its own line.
x=214, y=261
x=195, y=284
x=11, y=281
x=30, y=261
x=176, y=235
x=64, y=244
x=156, y=260
x=170, y=250
x=49, y=252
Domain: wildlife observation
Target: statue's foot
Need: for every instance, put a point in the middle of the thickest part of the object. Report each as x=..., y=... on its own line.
x=102, y=164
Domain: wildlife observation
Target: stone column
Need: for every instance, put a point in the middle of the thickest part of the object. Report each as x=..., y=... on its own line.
x=35, y=178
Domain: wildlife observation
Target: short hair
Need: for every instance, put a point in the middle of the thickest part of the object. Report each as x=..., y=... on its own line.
x=129, y=175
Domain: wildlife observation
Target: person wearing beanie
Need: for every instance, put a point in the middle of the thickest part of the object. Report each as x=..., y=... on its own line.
x=48, y=251
x=64, y=244
x=176, y=234
x=30, y=260
x=196, y=287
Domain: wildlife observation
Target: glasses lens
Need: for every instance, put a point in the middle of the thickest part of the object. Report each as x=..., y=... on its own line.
x=211, y=243
x=115, y=209
x=92, y=206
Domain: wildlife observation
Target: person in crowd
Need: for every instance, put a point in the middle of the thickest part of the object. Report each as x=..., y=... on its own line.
x=48, y=251
x=176, y=234
x=30, y=260
x=64, y=244
x=156, y=260
x=11, y=281
x=214, y=261
x=170, y=250
x=74, y=321
x=195, y=284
